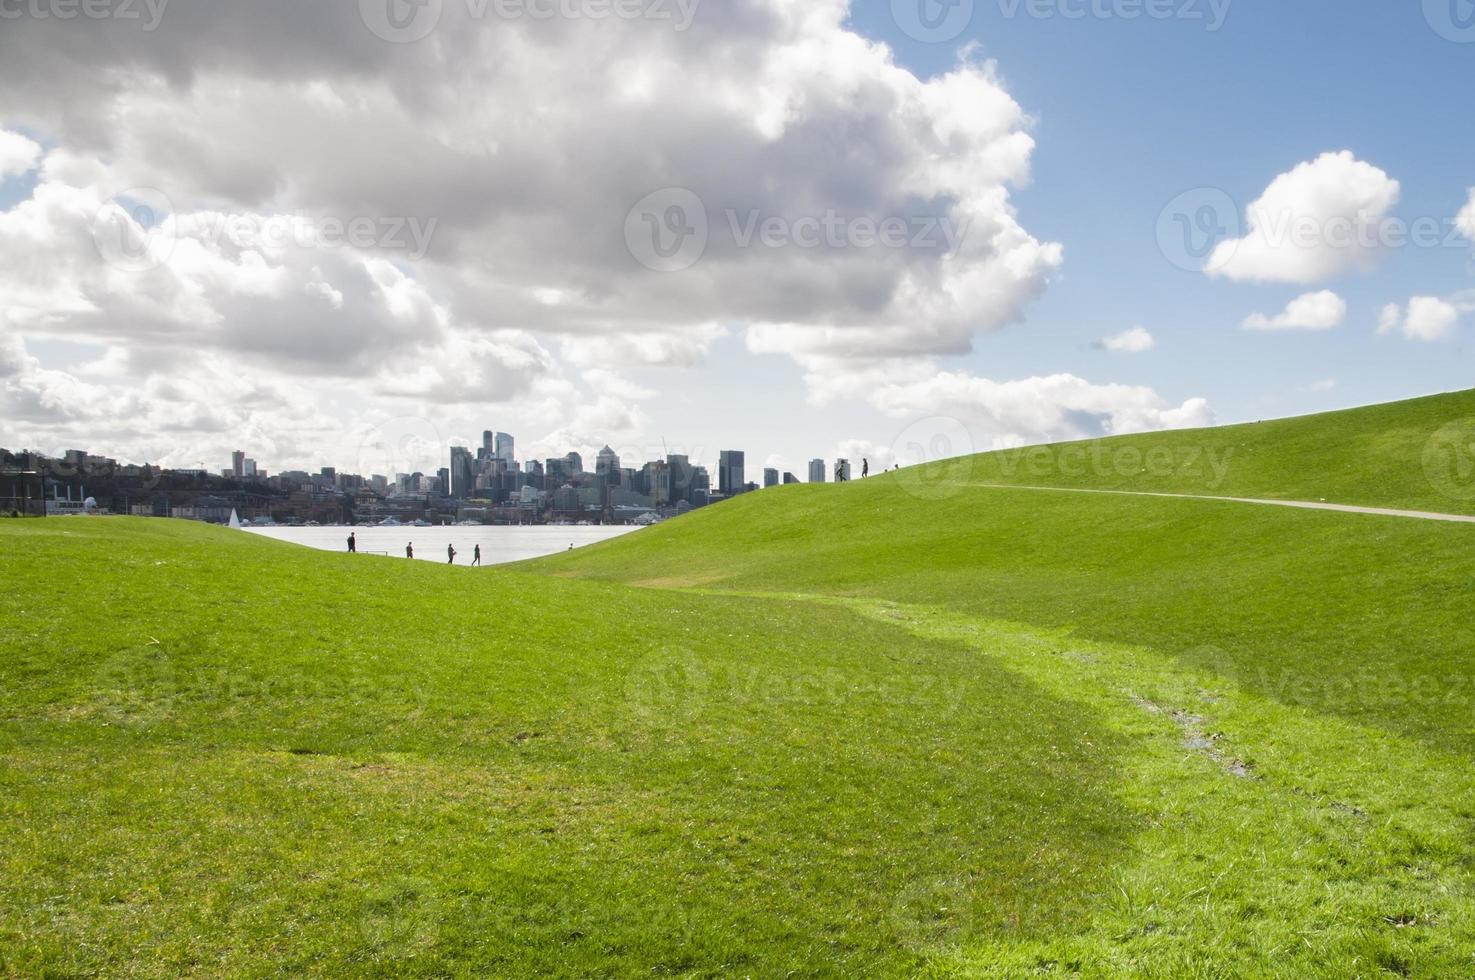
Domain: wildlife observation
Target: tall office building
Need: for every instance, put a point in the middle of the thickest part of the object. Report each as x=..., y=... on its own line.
x=607, y=464
x=488, y=448
x=816, y=471
x=575, y=463
x=731, y=473
x=770, y=477
x=682, y=475
x=238, y=464
x=463, y=473
x=506, y=449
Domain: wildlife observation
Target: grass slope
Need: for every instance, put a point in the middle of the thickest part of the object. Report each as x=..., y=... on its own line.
x=1407, y=455
x=914, y=725
x=223, y=755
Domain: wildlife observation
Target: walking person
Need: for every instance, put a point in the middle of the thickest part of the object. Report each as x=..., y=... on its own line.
x=410, y=551
x=353, y=543
x=476, y=557
x=865, y=468
x=451, y=554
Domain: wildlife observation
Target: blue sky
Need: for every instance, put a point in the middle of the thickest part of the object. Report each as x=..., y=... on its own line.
x=1126, y=114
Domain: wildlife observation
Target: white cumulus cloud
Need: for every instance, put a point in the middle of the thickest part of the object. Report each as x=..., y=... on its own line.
x=1313, y=311
x=18, y=154
x=1426, y=318
x=1041, y=409
x=1135, y=341
x=1465, y=221
x=1324, y=218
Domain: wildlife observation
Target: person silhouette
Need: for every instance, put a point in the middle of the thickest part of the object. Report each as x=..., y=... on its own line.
x=353, y=543
x=865, y=468
x=476, y=556
x=450, y=554
x=410, y=550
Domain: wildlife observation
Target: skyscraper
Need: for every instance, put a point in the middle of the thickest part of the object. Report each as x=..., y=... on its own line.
x=770, y=477
x=238, y=464
x=731, y=473
x=681, y=475
x=816, y=471
x=607, y=464
x=463, y=473
x=506, y=449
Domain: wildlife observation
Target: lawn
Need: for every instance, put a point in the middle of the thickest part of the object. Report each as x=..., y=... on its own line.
x=911, y=725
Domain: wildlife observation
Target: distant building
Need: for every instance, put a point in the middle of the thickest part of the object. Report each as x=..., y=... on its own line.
x=607, y=465
x=682, y=477
x=790, y=478
x=731, y=473
x=463, y=473
x=575, y=463
x=506, y=449
x=237, y=464
x=770, y=477
x=816, y=471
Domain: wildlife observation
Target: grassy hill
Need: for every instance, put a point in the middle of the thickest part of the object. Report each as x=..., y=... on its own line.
x=1417, y=455
x=914, y=725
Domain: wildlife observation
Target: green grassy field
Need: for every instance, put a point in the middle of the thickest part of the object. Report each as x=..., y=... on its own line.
x=1400, y=456
x=911, y=726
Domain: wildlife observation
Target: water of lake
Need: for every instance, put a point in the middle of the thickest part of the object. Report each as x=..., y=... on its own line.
x=499, y=545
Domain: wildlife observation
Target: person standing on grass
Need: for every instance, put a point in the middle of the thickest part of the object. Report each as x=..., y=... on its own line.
x=476, y=557
x=451, y=554
x=353, y=543
x=410, y=551
x=865, y=468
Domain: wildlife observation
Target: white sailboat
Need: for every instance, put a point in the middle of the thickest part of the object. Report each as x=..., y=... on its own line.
x=235, y=519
